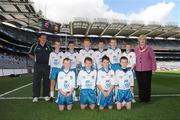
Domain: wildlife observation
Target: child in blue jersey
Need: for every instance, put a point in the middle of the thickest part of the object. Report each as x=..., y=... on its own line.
x=87, y=82
x=55, y=62
x=105, y=84
x=66, y=84
x=124, y=81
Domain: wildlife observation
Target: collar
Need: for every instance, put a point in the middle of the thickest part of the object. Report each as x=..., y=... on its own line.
x=91, y=69
x=87, y=50
x=65, y=71
x=56, y=52
x=101, y=51
x=112, y=48
x=105, y=70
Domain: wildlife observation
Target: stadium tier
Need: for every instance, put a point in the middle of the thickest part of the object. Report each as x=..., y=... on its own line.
x=20, y=25
x=17, y=42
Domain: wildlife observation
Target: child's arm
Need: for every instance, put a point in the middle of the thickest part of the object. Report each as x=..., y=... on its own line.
x=79, y=80
x=63, y=93
x=101, y=89
x=113, y=84
x=110, y=89
x=71, y=92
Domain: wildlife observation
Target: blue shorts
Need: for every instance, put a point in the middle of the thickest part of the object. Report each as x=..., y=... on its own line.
x=87, y=96
x=124, y=95
x=105, y=101
x=54, y=73
x=63, y=100
x=115, y=66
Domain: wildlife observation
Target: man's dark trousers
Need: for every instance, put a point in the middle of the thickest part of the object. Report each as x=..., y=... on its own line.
x=41, y=72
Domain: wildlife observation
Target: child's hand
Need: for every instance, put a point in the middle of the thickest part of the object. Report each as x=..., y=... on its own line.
x=106, y=94
x=69, y=94
x=64, y=93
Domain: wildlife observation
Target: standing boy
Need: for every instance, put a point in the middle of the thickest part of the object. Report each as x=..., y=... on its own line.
x=55, y=62
x=86, y=51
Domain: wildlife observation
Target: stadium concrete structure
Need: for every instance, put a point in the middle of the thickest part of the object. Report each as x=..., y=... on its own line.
x=22, y=14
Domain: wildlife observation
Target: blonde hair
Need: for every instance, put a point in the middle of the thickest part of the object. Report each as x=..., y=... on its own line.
x=142, y=37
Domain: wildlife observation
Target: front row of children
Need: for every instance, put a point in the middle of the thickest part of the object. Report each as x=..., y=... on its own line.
x=87, y=80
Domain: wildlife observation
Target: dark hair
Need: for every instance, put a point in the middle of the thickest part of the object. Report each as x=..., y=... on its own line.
x=88, y=59
x=66, y=59
x=101, y=41
x=105, y=58
x=71, y=42
x=128, y=43
x=41, y=34
x=123, y=58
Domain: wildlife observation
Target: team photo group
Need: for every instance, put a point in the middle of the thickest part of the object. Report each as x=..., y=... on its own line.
x=102, y=77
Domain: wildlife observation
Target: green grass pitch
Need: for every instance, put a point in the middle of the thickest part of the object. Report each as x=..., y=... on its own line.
x=160, y=108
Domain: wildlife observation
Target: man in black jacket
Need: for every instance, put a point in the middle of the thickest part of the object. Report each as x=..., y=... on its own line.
x=39, y=52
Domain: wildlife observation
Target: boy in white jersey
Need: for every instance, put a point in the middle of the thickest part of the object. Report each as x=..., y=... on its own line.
x=130, y=55
x=55, y=62
x=131, y=63
x=124, y=81
x=86, y=51
x=87, y=82
x=97, y=56
x=73, y=56
x=114, y=54
x=105, y=84
x=66, y=84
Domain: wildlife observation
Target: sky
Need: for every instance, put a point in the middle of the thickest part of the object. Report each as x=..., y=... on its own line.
x=145, y=11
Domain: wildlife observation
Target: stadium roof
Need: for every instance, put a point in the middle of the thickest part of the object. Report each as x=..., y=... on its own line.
x=19, y=13
x=22, y=14
x=123, y=29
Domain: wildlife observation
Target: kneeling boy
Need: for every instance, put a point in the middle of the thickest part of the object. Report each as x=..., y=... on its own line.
x=124, y=81
x=66, y=84
x=87, y=82
x=105, y=84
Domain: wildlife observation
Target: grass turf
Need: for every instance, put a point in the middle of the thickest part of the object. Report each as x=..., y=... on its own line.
x=160, y=108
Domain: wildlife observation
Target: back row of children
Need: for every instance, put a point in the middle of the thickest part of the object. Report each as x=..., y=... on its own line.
x=109, y=71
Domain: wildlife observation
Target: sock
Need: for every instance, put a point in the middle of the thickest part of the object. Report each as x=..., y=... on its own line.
x=51, y=93
x=74, y=94
x=133, y=95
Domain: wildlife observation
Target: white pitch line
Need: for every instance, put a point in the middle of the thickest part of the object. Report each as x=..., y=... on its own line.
x=26, y=98
x=15, y=89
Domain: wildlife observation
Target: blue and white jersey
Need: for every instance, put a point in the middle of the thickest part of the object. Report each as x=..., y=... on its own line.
x=56, y=59
x=66, y=80
x=114, y=55
x=73, y=57
x=131, y=56
x=124, y=79
x=106, y=79
x=87, y=79
x=83, y=53
x=97, y=57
